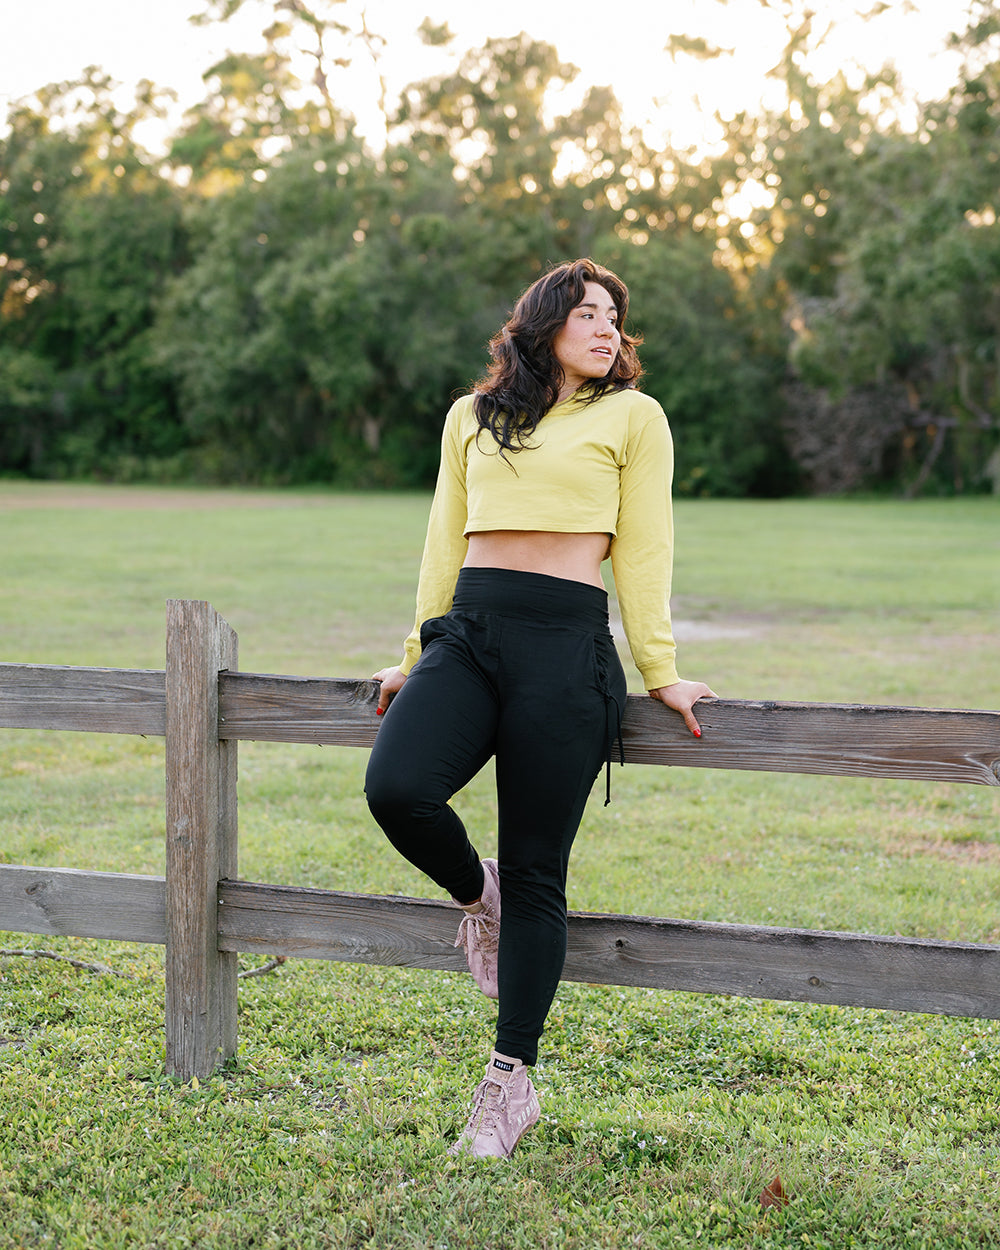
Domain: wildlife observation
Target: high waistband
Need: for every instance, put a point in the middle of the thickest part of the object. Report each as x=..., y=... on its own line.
x=532, y=597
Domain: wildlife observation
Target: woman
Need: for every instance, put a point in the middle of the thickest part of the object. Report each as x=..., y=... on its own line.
x=554, y=463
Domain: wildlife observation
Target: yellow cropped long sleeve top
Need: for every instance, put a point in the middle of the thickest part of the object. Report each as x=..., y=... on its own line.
x=604, y=466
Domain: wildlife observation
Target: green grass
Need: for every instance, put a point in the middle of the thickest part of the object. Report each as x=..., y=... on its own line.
x=664, y=1115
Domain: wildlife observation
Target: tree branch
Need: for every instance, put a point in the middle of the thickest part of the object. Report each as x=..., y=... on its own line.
x=270, y=966
x=76, y=963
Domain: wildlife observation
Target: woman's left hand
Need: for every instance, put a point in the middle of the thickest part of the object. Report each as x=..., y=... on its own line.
x=682, y=696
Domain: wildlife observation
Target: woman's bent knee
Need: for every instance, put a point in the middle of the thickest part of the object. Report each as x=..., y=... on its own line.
x=399, y=801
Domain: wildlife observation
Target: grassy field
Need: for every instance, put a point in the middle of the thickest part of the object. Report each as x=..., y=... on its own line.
x=664, y=1115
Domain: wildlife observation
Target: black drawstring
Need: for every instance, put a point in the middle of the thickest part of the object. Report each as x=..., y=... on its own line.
x=610, y=741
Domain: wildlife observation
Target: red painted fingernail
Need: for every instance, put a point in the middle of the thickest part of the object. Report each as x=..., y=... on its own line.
x=379, y=711
x=697, y=733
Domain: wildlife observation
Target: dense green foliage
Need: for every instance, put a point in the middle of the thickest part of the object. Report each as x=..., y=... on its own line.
x=275, y=302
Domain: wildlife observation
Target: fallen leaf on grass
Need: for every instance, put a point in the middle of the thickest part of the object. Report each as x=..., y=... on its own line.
x=774, y=1195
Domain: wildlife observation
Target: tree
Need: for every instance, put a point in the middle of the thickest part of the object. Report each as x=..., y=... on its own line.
x=278, y=301
x=876, y=244
x=705, y=363
x=89, y=232
x=259, y=102
x=912, y=317
x=331, y=311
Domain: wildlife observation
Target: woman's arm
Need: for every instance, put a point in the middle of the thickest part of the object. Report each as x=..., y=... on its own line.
x=643, y=547
x=445, y=547
x=642, y=560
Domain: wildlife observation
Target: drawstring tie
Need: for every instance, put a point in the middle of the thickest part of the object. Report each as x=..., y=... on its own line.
x=610, y=739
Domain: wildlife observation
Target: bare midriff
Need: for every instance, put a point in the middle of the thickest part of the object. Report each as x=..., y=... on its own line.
x=576, y=557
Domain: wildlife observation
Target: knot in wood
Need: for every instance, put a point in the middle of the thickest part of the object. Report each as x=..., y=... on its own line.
x=364, y=692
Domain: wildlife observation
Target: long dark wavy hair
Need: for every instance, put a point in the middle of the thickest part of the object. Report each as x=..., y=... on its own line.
x=523, y=381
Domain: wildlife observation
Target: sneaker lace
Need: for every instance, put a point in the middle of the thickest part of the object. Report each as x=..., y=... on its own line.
x=488, y=1104
x=476, y=928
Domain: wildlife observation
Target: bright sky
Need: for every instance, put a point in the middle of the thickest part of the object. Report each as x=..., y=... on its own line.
x=50, y=40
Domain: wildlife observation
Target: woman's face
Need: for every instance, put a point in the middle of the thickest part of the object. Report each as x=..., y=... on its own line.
x=588, y=341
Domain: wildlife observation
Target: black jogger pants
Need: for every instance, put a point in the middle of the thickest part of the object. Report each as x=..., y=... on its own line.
x=522, y=668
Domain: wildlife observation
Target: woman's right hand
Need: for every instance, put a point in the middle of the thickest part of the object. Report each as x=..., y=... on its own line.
x=391, y=680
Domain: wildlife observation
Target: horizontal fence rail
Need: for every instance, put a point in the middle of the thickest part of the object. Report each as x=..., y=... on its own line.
x=835, y=739
x=91, y=700
x=71, y=902
x=799, y=965
x=204, y=915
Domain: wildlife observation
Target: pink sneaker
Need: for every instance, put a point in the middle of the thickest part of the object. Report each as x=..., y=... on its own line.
x=479, y=932
x=504, y=1107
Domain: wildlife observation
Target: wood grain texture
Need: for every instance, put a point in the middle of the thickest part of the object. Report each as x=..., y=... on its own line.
x=204, y=707
x=799, y=965
x=69, y=902
x=906, y=974
x=835, y=739
x=859, y=970
x=851, y=740
x=95, y=700
x=201, y=841
x=271, y=708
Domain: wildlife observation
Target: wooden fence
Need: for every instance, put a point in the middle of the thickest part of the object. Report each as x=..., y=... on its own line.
x=204, y=706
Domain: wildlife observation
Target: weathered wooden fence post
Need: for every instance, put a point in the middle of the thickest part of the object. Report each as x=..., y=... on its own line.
x=205, y=707
x=201, y=841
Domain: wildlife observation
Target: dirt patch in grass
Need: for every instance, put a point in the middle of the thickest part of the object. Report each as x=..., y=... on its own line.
x=965, y=852
x=25, y=496
x=692, y=629
x=688, y=630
